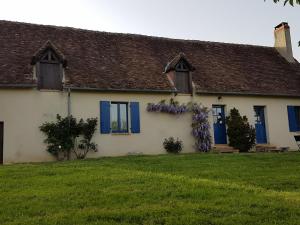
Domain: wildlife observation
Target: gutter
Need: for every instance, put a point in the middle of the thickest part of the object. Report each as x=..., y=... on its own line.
x=247, y=94
x=18, y=85
x=120, y=90
x=28, y=86
x=24, y=86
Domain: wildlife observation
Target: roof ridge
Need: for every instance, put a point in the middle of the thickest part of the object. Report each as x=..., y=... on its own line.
x=138, y=35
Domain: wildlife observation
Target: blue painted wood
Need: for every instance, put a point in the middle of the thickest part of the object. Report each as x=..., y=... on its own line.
x=260, y=125
x=220, y=136
x=135, y=117
x=105, y=117
x=292, y=119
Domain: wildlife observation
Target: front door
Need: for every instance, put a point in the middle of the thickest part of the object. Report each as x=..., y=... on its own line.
x=260, y=125
x=219, y=124
x=1, y=142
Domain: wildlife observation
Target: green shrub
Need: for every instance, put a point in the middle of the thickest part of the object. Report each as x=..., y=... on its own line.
x=85, y=145
x=60, y=135
x=240, y=133
x=63, y=135
x=173, y=146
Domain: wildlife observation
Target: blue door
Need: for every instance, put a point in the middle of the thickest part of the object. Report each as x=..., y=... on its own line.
x=219, y=124
x=260, y=125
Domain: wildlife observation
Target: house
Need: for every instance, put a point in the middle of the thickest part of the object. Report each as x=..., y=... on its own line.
x=49, y=70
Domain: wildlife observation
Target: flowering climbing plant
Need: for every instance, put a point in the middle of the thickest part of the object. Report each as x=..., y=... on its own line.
x=173, y=107
x=201, y=127
x=200, y=123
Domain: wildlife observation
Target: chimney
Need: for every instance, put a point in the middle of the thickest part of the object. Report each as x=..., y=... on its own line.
x=283, y=42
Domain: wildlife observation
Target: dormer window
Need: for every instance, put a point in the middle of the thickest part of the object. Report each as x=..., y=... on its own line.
x=182, y=78
x=49, y=73
x=179, y=74
x=49, y=67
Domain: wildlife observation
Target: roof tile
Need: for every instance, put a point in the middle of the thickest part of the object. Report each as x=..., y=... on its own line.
x=125, y=61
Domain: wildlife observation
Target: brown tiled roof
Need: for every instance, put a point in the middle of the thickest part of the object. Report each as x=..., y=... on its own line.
x=111, y=61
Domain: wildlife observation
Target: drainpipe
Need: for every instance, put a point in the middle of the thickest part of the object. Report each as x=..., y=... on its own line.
x=69, y=115
x=69, y=102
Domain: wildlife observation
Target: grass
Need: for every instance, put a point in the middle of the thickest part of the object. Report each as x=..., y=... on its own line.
x=169, y=189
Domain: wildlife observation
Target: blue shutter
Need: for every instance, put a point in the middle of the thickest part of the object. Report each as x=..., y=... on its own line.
x=105, y=117
x=135, y=117
x=292, y=118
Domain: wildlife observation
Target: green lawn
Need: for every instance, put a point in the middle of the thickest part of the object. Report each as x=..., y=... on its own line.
x=170, y=189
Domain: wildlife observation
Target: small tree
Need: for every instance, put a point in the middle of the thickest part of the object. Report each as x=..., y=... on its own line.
x=85, y=145
x=241, y=134
x=62, y=136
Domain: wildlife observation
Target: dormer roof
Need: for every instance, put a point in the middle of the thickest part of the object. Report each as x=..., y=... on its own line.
x=174, y=62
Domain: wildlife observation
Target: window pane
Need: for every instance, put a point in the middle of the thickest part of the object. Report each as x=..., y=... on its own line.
x=53, y=57
x=214, y=111
x=45, y=57
x=218, y=116
x=114, y=117
x=123, y=117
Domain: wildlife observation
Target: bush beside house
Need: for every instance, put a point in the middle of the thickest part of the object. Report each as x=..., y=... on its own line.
x=173, y=146
x=240, y=133
x=66, y=135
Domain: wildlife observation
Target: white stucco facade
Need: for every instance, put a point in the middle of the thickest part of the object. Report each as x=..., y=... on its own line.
x=24, y=110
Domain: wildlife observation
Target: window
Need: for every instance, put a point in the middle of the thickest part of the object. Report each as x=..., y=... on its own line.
x=182, y=80
x=259, y=114
x=218, y=115
x=119, y=118
x=114, y=117
x=294, y=118
x=49, y=71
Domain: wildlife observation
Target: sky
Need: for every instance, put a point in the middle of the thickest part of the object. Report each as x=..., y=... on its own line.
x=232, y=21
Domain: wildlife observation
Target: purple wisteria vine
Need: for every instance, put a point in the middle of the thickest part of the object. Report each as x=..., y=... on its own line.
x=200, y=124
x=201, y=127
x=173, y=107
